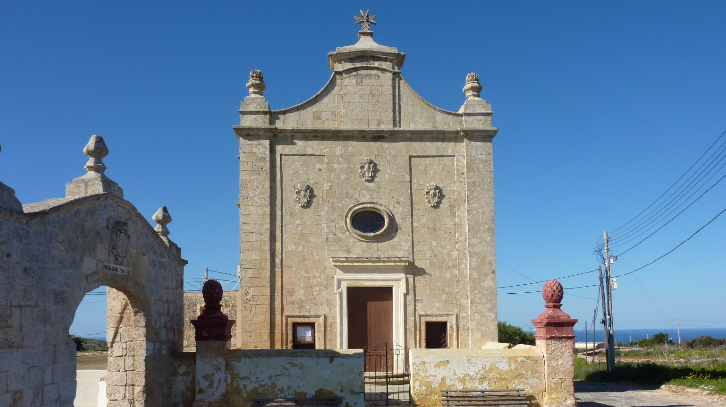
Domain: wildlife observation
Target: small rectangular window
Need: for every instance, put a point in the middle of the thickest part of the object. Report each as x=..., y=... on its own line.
x=436, y=335
x=303, y=336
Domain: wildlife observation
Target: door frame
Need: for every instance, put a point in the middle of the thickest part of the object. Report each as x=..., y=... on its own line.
x=371, y=272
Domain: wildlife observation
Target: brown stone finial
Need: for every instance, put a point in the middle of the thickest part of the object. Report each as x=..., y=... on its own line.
x=162, y=218
x=256, y=85
x=212, y=324
x=552, y=292
x=472, y=87
x=554, y=323
x=96, y=151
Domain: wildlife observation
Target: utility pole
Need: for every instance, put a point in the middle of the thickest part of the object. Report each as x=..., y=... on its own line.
x=586, y=342
x=678, y=323
x=604, y=317
x=609, y=319
x=206, y=274
x=594, y=340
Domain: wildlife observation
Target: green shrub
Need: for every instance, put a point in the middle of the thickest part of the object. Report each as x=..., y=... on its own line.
x=704, y=341
x=514, y=335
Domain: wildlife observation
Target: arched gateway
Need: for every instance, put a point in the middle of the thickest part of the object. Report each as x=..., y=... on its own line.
x=54, y=252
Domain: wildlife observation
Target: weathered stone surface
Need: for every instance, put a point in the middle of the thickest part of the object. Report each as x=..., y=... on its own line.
x=51, y=256
x=306, y=373
x=366, y=137
x=433, y=370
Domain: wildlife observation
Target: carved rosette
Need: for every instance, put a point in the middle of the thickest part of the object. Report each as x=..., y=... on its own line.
x=120, y=241
x=256, y=85
x=434, y=195
x=368, y=170
x=303, y=195
x=472, y=87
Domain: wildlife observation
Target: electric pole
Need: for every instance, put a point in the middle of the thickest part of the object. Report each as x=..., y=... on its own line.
x=586, y=342
x=206, y=274
x=609, y=319
x=678, y=323
x=606, y=337
x=594, y=341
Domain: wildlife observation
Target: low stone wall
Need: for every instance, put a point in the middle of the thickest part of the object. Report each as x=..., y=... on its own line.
x=295, y=373
x=433, y=370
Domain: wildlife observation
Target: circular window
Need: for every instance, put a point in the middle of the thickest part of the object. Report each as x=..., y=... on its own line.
x=368, y=221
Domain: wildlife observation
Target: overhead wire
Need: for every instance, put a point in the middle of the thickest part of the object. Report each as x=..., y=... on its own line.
x=673, y=249
x=671, y=187
x=658, y=216
x=544, y=281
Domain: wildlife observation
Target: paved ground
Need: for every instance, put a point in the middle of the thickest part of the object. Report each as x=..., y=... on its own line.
x=624, y=395
x=87, y=388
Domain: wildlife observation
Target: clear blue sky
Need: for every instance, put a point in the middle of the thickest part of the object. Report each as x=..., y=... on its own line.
x=600, y=107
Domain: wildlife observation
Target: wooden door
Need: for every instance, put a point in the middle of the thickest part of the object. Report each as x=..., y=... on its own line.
x=370, y=324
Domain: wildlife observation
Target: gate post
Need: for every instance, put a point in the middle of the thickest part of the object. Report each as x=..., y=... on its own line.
x=556, y=339
x=213, y=331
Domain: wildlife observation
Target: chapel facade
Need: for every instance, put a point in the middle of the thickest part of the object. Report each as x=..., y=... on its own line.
x=366, y=213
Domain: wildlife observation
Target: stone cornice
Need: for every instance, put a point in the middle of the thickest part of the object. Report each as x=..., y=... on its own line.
x=273, y=131
x=370, y=261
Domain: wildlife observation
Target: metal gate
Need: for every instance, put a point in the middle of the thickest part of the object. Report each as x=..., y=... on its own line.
x=386, y=377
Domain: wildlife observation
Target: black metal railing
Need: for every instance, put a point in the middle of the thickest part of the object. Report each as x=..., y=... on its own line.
x=386, y=378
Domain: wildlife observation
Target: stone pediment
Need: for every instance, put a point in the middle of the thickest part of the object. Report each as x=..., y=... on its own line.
x=366, y=92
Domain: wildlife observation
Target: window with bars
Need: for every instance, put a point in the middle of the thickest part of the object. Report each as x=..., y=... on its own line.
x=436, y=335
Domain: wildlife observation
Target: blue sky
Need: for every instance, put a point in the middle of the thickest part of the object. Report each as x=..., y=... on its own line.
x=600, y=106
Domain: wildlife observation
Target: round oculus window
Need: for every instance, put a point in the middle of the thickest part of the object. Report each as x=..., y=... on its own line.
x=368, y=222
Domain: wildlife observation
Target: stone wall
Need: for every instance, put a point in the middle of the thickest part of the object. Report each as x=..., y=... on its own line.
x=294, y=373
x=54, y=252
x=443, y=252
x=193, y=303
x=433, y=370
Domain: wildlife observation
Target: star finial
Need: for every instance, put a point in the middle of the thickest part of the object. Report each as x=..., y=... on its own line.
x=365, y=20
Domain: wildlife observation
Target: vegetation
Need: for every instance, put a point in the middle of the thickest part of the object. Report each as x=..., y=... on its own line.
x=514, y=335
x=697, y=367
x=89, y=344
x=704, y=341
x=657, y=340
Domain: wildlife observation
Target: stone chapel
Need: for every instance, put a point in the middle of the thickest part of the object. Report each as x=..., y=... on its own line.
x=366, y=213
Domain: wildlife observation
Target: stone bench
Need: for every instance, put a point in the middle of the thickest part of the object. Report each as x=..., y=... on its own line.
x=298, y=401
x=483, y=397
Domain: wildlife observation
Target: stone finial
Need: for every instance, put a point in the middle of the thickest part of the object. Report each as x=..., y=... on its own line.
x=365, y=21
x=162, y=218
x=256, y=85
x=96, y=151
x=552, y=292
x=472, y=87
x=554, y=323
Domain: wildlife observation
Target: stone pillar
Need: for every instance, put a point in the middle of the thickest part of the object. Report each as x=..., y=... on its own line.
x=556, y=339
x=213, y=330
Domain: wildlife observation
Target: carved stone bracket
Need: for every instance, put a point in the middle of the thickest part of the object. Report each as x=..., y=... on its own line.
x=434, y=195
x=303, y=195
x=368, y=170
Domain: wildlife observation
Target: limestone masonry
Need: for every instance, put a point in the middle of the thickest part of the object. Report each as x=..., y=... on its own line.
x=366, y=143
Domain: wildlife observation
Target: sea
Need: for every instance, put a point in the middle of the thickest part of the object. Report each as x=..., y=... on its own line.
x=623, y=335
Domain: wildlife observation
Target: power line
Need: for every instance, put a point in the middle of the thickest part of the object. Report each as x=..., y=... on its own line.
x=515, y=271
x=539, y=291
x=634, y=234
x=673, y=249
x=669, y=221
x=673, y=185
x=220, y=272
x=544, y=281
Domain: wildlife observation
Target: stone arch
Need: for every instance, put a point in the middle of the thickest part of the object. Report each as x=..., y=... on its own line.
x=51, y=256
